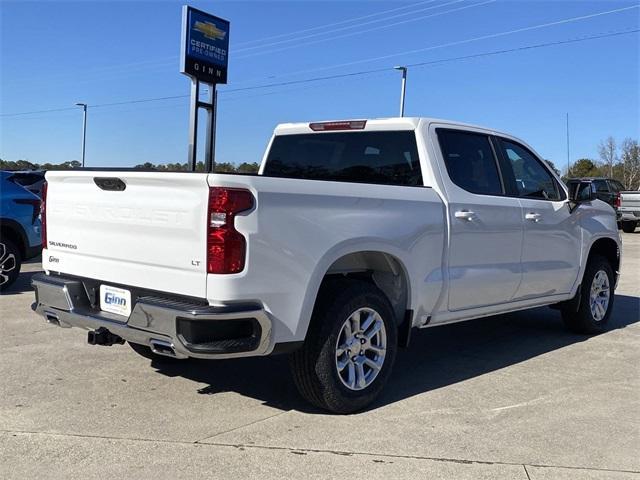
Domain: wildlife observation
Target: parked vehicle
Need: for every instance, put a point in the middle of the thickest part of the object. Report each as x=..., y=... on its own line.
x=352, y=234
x=607, y=189
x=629, y=210
x=32, y=180
x=19, y=228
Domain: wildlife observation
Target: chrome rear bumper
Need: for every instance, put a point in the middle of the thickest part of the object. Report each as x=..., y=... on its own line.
x=65, y=302
x=629, y=215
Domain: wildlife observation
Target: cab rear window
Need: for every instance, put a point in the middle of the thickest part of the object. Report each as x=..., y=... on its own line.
x=387, y=158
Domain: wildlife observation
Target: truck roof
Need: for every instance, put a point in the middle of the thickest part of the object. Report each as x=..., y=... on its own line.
x=585, y=179
x=373, y=124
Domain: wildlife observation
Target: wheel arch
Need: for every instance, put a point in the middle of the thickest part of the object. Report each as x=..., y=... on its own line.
x=607, y=248
x=381, y=265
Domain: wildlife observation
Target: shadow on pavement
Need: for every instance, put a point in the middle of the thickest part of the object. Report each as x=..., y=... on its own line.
x=437, y=357
x=22, y=283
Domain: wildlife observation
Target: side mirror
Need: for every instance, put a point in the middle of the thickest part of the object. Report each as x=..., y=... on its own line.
x=580, y=193
x=584, y=192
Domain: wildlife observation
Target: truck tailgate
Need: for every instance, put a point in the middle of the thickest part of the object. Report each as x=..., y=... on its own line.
x=152, y=234
x=630, y=201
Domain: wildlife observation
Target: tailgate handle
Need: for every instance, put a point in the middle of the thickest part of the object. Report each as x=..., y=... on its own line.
x=110, y=183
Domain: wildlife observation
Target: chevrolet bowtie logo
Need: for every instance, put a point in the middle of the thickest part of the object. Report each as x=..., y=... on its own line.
x=209, y=30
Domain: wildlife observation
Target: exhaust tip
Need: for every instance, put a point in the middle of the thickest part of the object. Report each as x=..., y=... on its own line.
x=163, y=348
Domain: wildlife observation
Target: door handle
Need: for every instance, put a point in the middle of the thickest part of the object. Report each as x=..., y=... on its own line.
x=465, y=215
x=533, y=217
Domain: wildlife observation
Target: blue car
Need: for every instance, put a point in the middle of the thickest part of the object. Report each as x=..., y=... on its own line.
x=20, y=228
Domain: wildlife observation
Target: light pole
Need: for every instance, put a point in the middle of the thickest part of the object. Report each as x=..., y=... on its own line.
x=403, y=88
x=84, y=128
x=568, y=162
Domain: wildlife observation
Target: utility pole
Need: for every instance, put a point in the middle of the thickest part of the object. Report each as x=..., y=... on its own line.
x=568, y=162
x=84, y=128
x=403, y=87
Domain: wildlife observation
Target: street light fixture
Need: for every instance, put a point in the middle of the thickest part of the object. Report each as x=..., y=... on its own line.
x=403, y=88
x=84, y=128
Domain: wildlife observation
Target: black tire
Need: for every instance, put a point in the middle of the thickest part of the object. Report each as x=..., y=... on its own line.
x=314, y=365
x=583, y=320
x=629, y=227
x=146, y=352
x=11, y=260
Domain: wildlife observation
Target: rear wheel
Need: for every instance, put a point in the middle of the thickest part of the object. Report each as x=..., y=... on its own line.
x=350, y=347
x=596, y=299
x=629, y=227
x=10, y=263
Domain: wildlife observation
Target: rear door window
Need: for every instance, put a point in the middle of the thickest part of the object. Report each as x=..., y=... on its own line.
x=470, y=161
x=601, y=186
x=616, y=186
x=388, y=158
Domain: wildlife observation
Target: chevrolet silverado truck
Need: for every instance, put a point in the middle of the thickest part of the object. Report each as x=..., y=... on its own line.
x=629, y=210
x=351, y=234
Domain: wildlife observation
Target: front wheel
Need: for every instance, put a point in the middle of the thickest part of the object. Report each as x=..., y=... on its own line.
x=350, y=347
x=596, y=299
x=629, y=227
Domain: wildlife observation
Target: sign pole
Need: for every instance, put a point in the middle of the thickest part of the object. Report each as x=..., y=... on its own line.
x=210, y=148
x=204, y=58
x=193, y=124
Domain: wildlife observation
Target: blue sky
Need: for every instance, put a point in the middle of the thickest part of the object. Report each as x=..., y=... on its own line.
x=54, y=54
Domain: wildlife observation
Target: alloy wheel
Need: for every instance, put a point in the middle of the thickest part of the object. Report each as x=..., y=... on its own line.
x=599, y=295
x=7, y=263
x=361, y=349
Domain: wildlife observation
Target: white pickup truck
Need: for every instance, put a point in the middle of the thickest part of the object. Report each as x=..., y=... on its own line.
x=629, y=210
x=351, y=234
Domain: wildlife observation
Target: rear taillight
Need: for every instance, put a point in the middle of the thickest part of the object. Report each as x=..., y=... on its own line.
x=616, y=201
x=226, y=247
x=43, y=214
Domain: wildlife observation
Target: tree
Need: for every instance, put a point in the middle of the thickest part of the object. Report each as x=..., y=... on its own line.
x=248, y=167
x=17, y=165
x=225, y=167
x=630, y=160
x=608, y=151
x=552, y=166
x=584, y=167
x=146, y=166
x=71, y=164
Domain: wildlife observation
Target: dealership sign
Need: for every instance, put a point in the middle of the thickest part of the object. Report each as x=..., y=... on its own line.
x=205, y=46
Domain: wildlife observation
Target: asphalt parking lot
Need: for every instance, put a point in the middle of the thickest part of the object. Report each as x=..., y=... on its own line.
x=508, y=397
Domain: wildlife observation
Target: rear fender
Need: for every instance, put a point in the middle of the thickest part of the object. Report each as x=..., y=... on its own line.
x=338, y=251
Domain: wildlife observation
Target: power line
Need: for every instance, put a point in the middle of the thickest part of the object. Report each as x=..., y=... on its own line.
x=529, y=47
x=38, y=111
x=341, y=22
x=357, y=25
x=359, y=73
x=444, y=60
x=142, y=100
x=379, y=27
x=469, y=40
